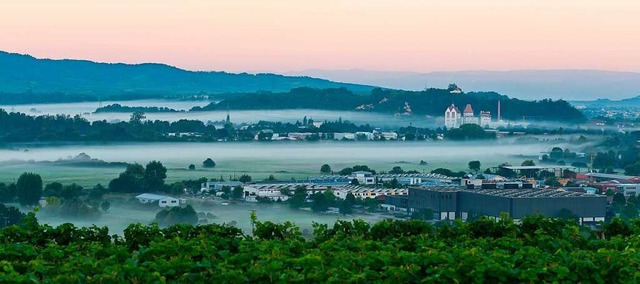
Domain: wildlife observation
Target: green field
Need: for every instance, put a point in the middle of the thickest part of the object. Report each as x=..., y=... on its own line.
x=284, y=160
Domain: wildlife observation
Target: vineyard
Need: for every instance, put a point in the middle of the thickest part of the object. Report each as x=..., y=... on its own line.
x=535, y=250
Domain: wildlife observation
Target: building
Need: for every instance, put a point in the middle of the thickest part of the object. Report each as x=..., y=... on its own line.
x=161, y=200
x=217, y=185
x=455, y=202
x=452, y=117
x=364, y=178
x=468, y=117
x=485, y=119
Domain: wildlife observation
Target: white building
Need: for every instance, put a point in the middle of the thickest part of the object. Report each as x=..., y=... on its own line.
x=364, y=178
x=163, y=201
x=452, y=117
x=270, y=191
x=485, y=118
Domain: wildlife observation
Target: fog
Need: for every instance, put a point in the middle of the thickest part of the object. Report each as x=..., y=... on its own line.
x=125, y=212
x=260, y=159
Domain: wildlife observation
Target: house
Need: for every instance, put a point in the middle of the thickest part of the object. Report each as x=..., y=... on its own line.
x=161, y=200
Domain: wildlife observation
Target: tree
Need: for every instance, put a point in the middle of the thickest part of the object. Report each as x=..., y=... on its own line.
x=208, y=163
x=105, y=205
x=131, y=180
x=192, y=167
x=567, y=215
x=29, y=188
x=237, y=192
x=346, y=207
x=137, y=117
x=397, y=170
x=299, y=197
x=7, y=192
x=325, y=169
x=71, y=191
x=350, y=198
x=177, y=215
x=629, y=211
x=528, y=163
x=154, y=175
x=633, y=169
x=422, y=214
x=320, y=202
x=53, y=189
x=245, y=178
x=443, y=171
x=474, y=166
x=556, y=153
x=10, y=215
x=618, y=201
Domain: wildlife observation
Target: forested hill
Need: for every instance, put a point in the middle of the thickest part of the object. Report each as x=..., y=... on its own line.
x=24, y=75
x=428, y=102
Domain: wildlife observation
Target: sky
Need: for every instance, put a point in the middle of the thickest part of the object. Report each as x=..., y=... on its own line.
x=292, y=35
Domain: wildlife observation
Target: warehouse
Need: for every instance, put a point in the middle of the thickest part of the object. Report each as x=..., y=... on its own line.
x=450, y=202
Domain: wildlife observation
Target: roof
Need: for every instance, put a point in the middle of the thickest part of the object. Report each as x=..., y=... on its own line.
x=151, y=196
x=511, y=193
x=468, y=109
x=609, y=176
x=517, y=168
x=452, y=107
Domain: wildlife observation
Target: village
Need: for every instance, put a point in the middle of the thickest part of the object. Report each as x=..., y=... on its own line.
x=524, y=191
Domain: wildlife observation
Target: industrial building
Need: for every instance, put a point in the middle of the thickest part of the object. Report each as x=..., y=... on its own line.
x=455, y=202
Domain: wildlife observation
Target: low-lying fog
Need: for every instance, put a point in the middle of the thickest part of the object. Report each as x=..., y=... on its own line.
x=122, y=213
x=283, y=159
x=86, y=109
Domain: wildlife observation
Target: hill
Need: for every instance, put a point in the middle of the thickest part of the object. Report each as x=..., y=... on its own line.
x=23, y=77
x=522, y=84
x=431, y=102
x=624, y=103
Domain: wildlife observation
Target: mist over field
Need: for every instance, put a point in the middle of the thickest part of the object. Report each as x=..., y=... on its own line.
x=283, y=159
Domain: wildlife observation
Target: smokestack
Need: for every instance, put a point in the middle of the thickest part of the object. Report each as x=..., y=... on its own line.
x=498, y=110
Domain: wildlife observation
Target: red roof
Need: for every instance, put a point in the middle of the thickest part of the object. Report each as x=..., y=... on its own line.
x=468, y=109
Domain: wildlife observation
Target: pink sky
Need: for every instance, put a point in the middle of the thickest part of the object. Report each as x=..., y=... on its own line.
x=290, y=35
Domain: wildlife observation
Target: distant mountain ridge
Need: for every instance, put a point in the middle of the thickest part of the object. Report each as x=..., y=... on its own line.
x=26, y=74
x=522, y=84
x=628, y=102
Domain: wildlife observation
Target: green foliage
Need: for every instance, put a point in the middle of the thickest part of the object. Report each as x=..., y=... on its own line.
x=422, y=214
x=245, y=178
x=299, y=197
x=528, y=163
x=397, y=170
x=177, y=215
x=237, y=192
x=208, y=163
x=29, y=188
x=474, y=166
x=154, y=175
x=7, y=192
x=192, y=167
x=537, y=250
x=469, y=132
x=325, y=169
x=10, y=215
